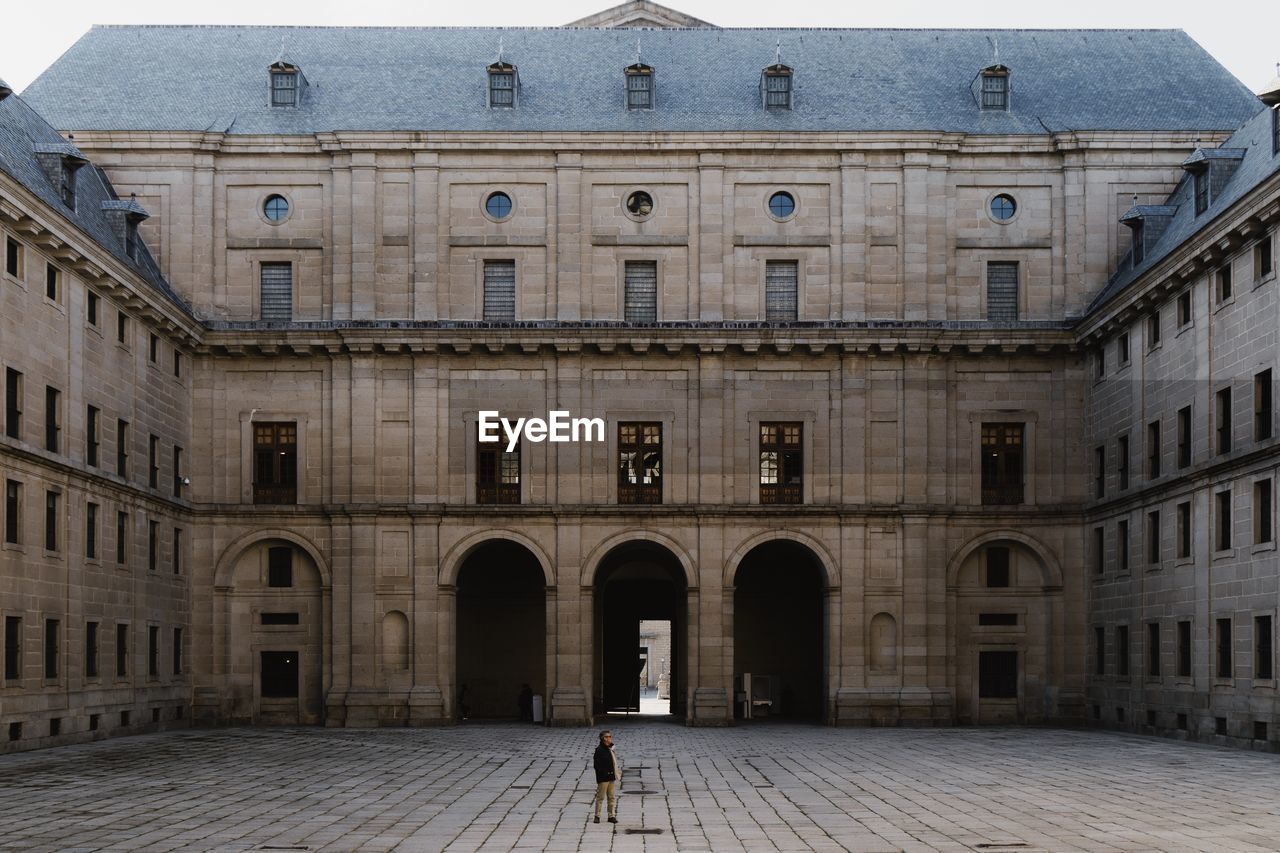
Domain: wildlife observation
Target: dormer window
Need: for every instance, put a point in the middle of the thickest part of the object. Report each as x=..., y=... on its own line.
x=131, y=238
x=1200, y=188
x=639, y=87
x=1139, y=248
x=61, y=161
x=776, y=81
x=502, y=85
x=287, y=83
x=995, y=88
x=68, y=189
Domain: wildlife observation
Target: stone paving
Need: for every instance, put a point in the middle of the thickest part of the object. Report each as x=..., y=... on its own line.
x=765, y=787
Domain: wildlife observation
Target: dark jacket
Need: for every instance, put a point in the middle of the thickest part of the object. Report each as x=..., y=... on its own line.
x=604, y=764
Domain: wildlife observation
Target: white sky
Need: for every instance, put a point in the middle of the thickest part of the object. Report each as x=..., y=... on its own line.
x=1244, y=36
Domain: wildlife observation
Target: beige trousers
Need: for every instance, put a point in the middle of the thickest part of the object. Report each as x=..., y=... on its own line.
x=607, y=790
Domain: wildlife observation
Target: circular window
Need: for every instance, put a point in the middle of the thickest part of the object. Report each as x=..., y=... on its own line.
x=1003, y=207
x=276, y=208
x=640, y=204
x=498, y=205
x=782, y=205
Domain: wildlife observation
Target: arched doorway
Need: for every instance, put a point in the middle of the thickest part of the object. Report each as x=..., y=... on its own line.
x=779, y=657
x=501, y=630
x=640, y=585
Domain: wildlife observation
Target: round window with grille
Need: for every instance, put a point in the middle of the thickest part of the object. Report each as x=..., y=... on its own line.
x=639, y=204
x=782, y=205
x=276, y=208
x=498, y=205
x=1003, y=207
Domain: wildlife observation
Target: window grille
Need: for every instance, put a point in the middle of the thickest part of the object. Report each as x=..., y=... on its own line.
x=781, y=463
x=500, y=290
x=777, y=89
x=275, y=463
x=1200, y=186
x=781, y=291
x=497, y=474
x=639, y=463
x=639, y=88
x=640, y=297
x=284, y=89
x=1002, y=451
x=68, y=188
x=1139, y=249
x=502, y=89
x=277, y=291
x=995, y=91
x=1002, y=291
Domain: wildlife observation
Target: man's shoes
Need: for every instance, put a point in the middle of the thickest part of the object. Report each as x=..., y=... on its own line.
x=612, y=819
x=597, y=819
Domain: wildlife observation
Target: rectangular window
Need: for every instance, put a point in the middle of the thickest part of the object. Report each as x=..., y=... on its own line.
x=1263, y=646
x=122, y=537
x=1262, y=531
x=1275, y=130
x=1002, y=291
x=1122, y=546
x=1153, y=649
x=1200, y=189
x=91, y=308
x=1184, y=308
x=51, y=521
x=1002, y=463
x=639, y=90
x=153, y=349
x=1262, y=406
x=1263, y=258
x=639, y=463
x=91, y=531
x=997, y=567
x=177, y=471
x=68, y=182
x=1153, y=537
x=777, y=91
x=13, y=257
x=1222, y=642
x=122, y=651
x=153, y=651
x=91, y=437
x=781, y=463
x=1099, y=363
x=1138, y=250
x=13, y=512
x=122, y=448
x=1153, y=330
x=284, y=89
x=52, y=418
x=153, y=544
x=500, y=291
x=280, y=567
x=153, y=462
x=91, y=650
x=1184, y=437
x=1153, y=450
x=12, y=648
x=1100, y=472
x=1184, y=649
x=497, y=473
x=12, y=403
x=995, y=92
x=502, y=89
x=1099, y=550
x=1122, y=650
x=50, y=649
x=276, y=291
x=1122, y=348
x=1223, y=279
x=781, y=291
x=177, y=364
x=1099, y=651
x=1184, y=530
x=640, y=297
x=1122, y=461
x=52, y=283
x=275, y=463
x=1223, y=414
x=177, y=550
x=1224, y=520
x=177, y=651
x=122, y=327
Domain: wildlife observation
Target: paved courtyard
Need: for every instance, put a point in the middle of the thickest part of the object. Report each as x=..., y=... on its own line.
x=501, y=787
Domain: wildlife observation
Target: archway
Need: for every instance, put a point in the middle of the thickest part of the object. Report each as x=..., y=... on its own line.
x=501, y=630
x=640, y=583
x=778, y=630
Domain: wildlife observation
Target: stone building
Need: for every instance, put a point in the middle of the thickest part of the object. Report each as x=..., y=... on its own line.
x=824, y=288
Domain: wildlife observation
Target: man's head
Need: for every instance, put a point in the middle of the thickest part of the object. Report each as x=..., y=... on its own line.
x=606, y=738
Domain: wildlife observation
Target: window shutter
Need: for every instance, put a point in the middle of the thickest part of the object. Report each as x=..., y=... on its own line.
x=277, y=291
x=640, y=300
x=499, y=290
x=781, y=299
x=1002, y=291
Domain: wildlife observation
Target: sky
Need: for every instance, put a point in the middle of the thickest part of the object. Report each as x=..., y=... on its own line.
x=33, y=34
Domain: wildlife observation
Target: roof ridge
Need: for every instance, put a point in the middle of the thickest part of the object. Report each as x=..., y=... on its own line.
x=712, y=30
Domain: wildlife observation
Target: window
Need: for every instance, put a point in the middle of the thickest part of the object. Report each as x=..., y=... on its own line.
x=91, y=437
x=91, y=308
x=1122, y=650
x=782, y=205
x=502, y=85
x=1200, y=188
x=1153, y=537
x=1099, y=363
x=1153, y=649
x=1184, y=530
x=997, y=567
x=499, y=290
x=91, y=650
x=781, y=291
x=1262, y=648
x=276, y=291
x=781, y=463
x=1153, y=330
x=275, y=208
x=50, y=649
x=153, y=348
x=497, y=474
x=52, y=283
x=122, y=651
x=1184, y=437
x=275, y=463
x=639, y=87
x=153, y=544
x=68, y=182
x=1262, y=529
x=995, y=90
x=1122, y=348
x=1224, y=520
x=1003, y=207
x=284, y=88
x=122, y=448
x=131, y=238
x=639, y=463
x=777, y=87
x=1275, y=130
x=279, y=618
x=91, y=531
x=1184, y=649
x=122, y=537
x=153, y=651
x=990, y=619
x=1223, y=644
x=177, y=651
x=1100, y=471
x=1002, y=291
x=12, y=403
x=1224, y=420
x=1099, y=651
x=1099, y=550
x=1184, y=308
x=1263, y=260
x=639, y=204
x=1122, y=461
x=52, y=418
x=1137, y=231
x=177, y=471
x=12, y=648
x=640, y=297
x=122, y=327
x=13, y=257
x=1223, y=279
x=498, y=205
x=1122, y=546
x=280, y=567
x=1153, y=450
x=1262, y=406
x=51, y=521
x=177, y=550
x=13, y=512
x=153, y=462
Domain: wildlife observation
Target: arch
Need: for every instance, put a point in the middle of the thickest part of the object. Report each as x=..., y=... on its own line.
x=463, y=548
x=395, y=641
x=831, y=574
x=222, y=575
x=1051, y=569
x=591, y=564
x=882, y=644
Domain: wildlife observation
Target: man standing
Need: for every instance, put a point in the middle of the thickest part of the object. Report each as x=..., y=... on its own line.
x=608, y=774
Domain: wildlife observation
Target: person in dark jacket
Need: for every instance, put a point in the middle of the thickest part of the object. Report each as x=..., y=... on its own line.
x=608, y=775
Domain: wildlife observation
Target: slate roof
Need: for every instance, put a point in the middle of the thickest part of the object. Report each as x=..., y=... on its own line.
x=23, y=133
x=1258, y=164
x=428, y=79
